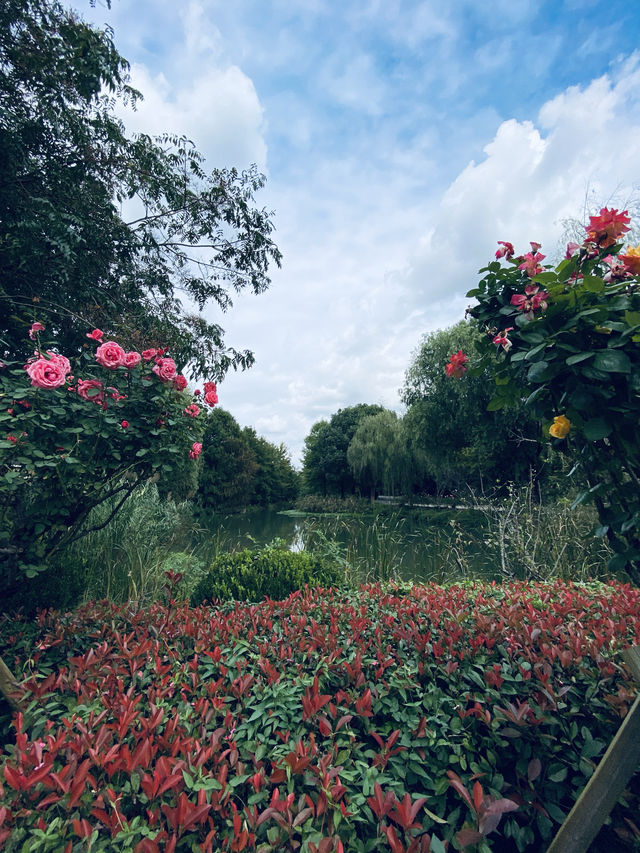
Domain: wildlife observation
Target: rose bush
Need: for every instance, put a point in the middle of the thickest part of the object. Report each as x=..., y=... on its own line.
x=71, y=438
x=567, y=338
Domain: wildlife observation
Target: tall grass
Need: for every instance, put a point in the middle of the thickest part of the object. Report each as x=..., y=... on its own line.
x=125, y=559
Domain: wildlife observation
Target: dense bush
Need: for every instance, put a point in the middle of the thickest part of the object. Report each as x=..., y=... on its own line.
x=362, y=720
x=319, y=504
x=272, y=572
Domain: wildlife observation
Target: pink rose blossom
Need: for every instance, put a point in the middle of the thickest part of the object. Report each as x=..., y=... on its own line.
x=165, y=369
x=531, y=263
x=124, y=424
x=196, y=450
x=605, y=228
x=132, y=358
x=62, y=360
x=149, y=354
x=12, y=439
x=180, y=382
x=37, y=327
x=506, y=250
x=96, y=335
x=502, y=339
x=535, y=246
x=192, y=410
x=197, y=392
x=529, y=301
x=572, y=249
x=457, y=366
x=110, y=354
x=210, y=393
x=91, y=389
x=46, y=374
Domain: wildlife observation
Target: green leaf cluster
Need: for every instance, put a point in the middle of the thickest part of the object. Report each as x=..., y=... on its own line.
x=578, y=358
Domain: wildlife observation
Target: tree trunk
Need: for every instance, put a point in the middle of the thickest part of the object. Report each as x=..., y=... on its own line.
x=9, y=687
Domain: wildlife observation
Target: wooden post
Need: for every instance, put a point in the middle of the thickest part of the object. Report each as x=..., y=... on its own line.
x=9, y=686
x=609, y=780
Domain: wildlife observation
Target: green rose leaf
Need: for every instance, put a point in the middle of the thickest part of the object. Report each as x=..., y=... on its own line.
x=538, y=372
x=612, y=361
x=596, y=428
x=581, y=356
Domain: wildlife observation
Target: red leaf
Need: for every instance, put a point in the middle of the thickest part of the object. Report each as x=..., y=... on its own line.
x=468, y=836
x=478, y=796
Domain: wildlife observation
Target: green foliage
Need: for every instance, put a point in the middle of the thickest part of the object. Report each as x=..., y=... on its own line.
x=378, y=454
x=228, y=464
x=125, y=559
x=272, y=572
x=275, y=480
x=325, y=468
x=67, y=172
x=242, y=469
x=455, y=443
x=574, y=354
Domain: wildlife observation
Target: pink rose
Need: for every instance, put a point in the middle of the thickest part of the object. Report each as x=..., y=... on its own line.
x=96, y=335
x=132, y=358
x=165, y=369
x=124, y=424
x=210, y=393
x=62, y=360
x=196, y=450
x=192, y=410
x=110, y=354
x=37, y=327
x=149, y=354
x=180, y=382
x=91, y=389
x=46, y=374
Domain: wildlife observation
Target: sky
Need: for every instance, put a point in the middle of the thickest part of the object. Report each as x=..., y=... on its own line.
x=400, y=140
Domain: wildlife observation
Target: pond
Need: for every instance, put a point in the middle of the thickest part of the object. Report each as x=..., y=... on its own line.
x=414, y=545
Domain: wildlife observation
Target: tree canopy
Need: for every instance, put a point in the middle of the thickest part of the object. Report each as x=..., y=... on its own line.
x=461, y=443
x=325, y=468
x=129, y=234
x=241, y=468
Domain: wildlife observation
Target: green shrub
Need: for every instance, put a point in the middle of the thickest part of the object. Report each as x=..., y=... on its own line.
x=273, y=572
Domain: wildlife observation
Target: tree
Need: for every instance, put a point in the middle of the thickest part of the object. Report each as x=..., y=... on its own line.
x=275, y=480
x=461, y=443
x=378, y=454
x=325, y=467
x=67, y=172
x=228, y=464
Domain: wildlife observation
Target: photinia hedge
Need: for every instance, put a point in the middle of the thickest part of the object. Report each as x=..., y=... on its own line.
x=567, y=339
x=76, y=433
x=419, y=719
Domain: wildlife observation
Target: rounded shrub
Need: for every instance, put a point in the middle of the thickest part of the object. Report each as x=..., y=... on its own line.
x=274, y=572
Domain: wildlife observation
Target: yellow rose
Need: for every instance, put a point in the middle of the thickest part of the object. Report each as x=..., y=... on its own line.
x=632, y=259
x=560, y=427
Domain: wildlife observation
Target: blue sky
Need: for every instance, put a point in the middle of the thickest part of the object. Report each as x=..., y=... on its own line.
x=400, y=140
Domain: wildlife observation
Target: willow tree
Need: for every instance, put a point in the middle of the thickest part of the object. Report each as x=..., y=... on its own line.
x=378, y=454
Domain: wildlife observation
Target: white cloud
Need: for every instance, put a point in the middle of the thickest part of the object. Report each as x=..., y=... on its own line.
x=348, y=322
x=219, y=110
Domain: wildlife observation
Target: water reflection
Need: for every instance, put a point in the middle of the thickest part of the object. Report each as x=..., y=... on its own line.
x=411, y=545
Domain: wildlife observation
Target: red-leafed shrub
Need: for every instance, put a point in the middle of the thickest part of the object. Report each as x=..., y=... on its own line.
x=404, y=719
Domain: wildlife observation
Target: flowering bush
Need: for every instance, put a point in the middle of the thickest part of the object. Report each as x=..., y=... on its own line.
x=567, y=338
x=380, y=719
x=72, y=438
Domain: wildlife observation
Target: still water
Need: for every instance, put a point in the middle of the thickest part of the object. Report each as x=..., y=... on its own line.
x=408, y=545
